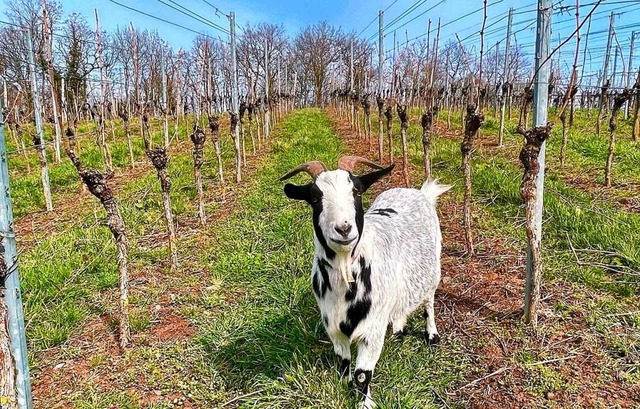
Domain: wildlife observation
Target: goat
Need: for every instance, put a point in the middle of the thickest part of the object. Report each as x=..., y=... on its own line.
x=370, y=269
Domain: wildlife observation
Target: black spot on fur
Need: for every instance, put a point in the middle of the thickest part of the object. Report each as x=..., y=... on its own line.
x=316, y=285
x=323, y=242
x=362, y=378
x=383, y=212
x=355, y=313
x=357, y=202
x=365, y=275
x=326, y=284
x=325, y=319
x=352, y=291
x=344, y=367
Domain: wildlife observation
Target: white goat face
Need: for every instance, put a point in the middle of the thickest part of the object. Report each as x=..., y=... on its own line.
x=336, y=199
x=341, y=208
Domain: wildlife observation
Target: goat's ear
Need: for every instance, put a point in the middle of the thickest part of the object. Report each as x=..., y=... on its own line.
x=371, y=178
x=298, y=192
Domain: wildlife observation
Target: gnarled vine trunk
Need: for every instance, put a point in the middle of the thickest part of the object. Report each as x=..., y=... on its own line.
x=404, y=124
x=198, y=138
x=472, y=124
x=528, y=191
x=98, y=184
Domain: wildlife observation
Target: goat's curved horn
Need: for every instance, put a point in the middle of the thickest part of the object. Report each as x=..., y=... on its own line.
x=313, y=168
x=349, y=163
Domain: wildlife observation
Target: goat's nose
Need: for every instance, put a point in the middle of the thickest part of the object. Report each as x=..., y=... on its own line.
x=343, y=229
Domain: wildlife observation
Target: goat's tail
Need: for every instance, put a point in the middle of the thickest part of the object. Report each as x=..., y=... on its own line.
x=431, y=190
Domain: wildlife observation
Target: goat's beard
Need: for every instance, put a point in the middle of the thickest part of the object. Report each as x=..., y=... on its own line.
x=343, y=260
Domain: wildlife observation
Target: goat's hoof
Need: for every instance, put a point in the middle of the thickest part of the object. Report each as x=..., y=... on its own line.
x=432, y=339
x=399, y=335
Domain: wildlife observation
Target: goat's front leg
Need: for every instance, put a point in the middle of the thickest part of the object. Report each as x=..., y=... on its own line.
x=369, y=350
x=342, y=348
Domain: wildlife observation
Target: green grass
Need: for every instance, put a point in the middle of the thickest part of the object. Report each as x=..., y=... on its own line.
x=572, y=216
x=66, y=271
x=244, y=285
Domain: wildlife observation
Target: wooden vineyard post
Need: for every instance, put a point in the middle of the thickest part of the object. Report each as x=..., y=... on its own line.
x=636, y=110
x=604, y=104
x=102, y=136
x=404, y=124
x=159, y=159
x=98, y=184
x=572, y=89
x=215, y=138
x=266, y=119
x=389, y=116
x=618, y=102
x=505, y=80
x=47, y=33
x=250, y=111
x=366, y=107
x=242, y=112
x=426, y=122
x=355, y=102
x=570, y=94
x=122, y=113
x=606, y=84
x=233, y=122
x=472, y=124
x=380, y=103
x=164, y=109
x=380, y=99
x=199, y=138
x=235, y=132
x=38, y=140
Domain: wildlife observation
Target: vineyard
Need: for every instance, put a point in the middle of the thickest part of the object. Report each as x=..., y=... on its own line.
x=153, y=259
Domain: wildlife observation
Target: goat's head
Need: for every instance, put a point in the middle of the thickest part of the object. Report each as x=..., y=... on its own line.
x=336, y=199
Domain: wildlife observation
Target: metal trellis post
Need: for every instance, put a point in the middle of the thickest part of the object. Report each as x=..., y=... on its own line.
x=540, y=107
x=12, y=296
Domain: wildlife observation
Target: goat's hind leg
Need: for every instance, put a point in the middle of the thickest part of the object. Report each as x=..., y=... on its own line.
x=431, y=334
x=399, y=327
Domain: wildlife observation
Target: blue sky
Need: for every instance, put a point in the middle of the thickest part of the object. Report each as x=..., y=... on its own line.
x=355, y=15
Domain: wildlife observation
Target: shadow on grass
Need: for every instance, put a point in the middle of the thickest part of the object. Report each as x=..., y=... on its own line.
x=266, y=349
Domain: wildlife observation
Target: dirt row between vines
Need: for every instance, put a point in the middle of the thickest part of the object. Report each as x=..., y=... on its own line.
x=479, y=304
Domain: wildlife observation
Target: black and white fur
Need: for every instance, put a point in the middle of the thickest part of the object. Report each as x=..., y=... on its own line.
x=371, y=269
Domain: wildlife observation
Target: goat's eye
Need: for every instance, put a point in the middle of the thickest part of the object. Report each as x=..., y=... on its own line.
x=314, y=200
x=356, y=192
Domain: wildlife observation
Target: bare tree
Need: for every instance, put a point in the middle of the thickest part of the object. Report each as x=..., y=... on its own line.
x=315, y=49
